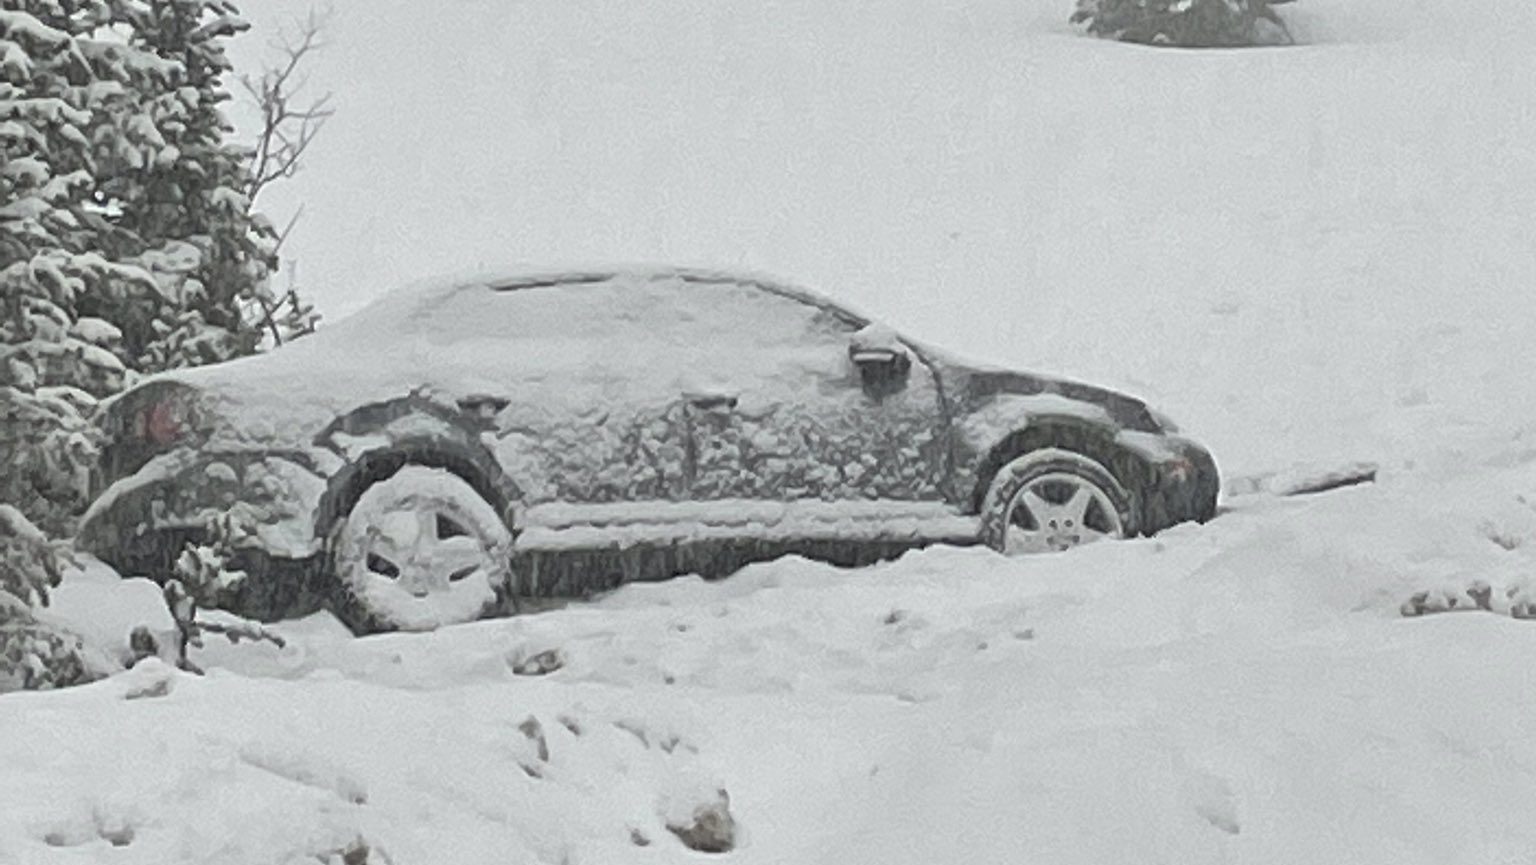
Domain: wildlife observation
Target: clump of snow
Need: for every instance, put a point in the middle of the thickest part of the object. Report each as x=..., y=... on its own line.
x=702, y=822
x=97, y=331
x=1302, y=479
x=104, y=609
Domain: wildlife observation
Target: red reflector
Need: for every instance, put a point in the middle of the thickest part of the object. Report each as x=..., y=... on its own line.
x=162, y=425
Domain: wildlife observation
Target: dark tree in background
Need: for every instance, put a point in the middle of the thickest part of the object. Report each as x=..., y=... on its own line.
x=1185, y=23
x=128, y=240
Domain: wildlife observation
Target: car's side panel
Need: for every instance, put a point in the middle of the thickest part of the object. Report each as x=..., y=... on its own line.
x=675, y=389
x=1170, y=480
x=142, y=523
x=795, y=419
x=709, y=414
x=591, y=380
x=619, y=452
x=838, y=444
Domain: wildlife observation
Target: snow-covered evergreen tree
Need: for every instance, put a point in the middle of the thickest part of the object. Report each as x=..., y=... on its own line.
x=66, y=95
x=187, y=203
x=127, y=239
x=1185, y=23
x=128, y=242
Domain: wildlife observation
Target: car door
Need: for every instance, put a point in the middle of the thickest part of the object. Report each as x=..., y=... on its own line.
x=653, y=417
x=585, y=409
x=799, y=402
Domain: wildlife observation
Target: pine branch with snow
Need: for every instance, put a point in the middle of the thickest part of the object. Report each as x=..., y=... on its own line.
x=29, y=564
x=47, y=453
x=122, y=196
x=32, y=654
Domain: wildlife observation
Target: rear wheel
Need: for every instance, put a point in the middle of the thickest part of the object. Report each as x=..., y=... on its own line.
x=1051, y=500
x=419, y=550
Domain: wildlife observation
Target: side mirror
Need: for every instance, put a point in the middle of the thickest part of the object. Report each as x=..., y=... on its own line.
x=481, y=409
x=879, y=357
x=883, y=369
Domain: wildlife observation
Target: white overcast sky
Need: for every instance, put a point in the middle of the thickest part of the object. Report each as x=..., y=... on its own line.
x=833, y=149
x=472, y=134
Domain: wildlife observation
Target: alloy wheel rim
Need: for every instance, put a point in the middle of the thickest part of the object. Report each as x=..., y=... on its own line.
x=1057, y=512
x=422, y=550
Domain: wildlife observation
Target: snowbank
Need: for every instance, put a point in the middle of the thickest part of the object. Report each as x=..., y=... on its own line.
x=159, y=766
x=1243, y=691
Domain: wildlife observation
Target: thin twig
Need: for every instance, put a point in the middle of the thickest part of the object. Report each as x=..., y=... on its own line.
x=287, y=129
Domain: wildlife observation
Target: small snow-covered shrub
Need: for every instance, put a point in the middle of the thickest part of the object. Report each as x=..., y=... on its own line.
x=35, y=655
x=29, y=564
x=203, y=579
x=1185, y=23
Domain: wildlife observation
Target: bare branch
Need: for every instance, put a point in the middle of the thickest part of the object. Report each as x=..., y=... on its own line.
x=269, y=320
x=282, y=236
x=288, y=127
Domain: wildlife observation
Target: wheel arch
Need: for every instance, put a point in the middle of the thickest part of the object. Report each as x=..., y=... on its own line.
x=1071, y=434
x=474, y=465
x=376, y=440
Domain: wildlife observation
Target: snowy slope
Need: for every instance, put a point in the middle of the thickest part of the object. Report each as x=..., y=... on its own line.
x=1318, y=254
x=1244, y=692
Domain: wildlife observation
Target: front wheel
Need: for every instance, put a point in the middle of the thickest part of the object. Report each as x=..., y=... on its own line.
x=1051, y=500
x=420, y=549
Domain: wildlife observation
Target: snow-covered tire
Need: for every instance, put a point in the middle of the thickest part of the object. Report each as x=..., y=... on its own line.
x=419, y=550
x=1052, y=499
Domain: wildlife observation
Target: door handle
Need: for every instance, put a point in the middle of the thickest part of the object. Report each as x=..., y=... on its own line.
x=711, y=401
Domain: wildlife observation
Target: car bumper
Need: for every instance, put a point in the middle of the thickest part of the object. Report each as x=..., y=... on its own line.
x=141, y=523
x=1185, y=487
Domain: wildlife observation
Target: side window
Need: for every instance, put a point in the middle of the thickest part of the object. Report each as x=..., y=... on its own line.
x=636, y=309
x=745, y=336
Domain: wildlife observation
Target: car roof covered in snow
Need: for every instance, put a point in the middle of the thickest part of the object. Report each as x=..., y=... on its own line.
x=419, y=297
x=605, y=346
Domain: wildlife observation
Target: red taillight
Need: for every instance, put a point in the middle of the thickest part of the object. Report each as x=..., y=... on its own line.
x=143, y=423
x=163, y=423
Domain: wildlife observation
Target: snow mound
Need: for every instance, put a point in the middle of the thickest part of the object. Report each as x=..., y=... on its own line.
x=272, y=771
x=1249, y=682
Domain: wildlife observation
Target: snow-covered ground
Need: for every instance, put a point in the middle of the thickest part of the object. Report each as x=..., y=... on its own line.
x=1307, y=256
x=1242, y=692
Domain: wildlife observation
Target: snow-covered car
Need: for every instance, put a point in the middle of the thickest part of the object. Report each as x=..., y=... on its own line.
x=458, y=446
